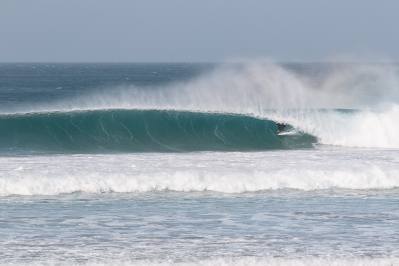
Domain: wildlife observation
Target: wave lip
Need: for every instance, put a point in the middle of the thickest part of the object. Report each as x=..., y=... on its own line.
x=141, y=131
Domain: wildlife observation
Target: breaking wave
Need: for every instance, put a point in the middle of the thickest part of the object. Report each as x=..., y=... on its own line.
x=222, y=104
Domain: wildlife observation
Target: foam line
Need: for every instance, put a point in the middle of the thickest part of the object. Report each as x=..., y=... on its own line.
x=218, y=172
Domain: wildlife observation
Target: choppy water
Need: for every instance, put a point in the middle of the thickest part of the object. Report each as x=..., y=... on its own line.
x=193, y=164
x=177, y=226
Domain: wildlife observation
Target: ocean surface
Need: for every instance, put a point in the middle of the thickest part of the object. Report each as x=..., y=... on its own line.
x=250, y=163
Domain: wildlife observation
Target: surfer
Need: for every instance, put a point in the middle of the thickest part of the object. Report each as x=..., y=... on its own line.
x=281, y=127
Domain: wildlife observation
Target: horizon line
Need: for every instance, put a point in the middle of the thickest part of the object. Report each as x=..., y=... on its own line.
x=201, y=62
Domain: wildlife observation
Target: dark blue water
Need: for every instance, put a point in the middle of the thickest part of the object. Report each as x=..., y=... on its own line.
x=27, y=83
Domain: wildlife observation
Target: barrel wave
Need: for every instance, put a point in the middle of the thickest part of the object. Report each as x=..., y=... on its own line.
x=142, y=131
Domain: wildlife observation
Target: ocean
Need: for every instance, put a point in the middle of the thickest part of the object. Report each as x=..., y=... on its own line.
x=250, y=163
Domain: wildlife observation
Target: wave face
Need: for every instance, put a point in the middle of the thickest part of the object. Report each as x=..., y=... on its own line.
x=142, y=131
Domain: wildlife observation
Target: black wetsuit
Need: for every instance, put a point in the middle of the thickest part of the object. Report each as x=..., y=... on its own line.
x=281, y=127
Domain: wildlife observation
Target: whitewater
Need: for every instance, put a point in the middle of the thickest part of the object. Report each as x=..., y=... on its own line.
x=250, y=163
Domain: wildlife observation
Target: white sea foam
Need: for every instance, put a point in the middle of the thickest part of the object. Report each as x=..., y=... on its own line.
x=366, y=128
x=220, y=172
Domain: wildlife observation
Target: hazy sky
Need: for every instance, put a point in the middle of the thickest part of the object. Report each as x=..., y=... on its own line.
x=197, y=30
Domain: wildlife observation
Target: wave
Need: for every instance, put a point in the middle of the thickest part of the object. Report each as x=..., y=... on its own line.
x=143, y=131
x=147, y=130
x=233, y=172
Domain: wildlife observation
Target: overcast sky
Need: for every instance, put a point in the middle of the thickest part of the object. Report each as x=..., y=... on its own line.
x=197, y=30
